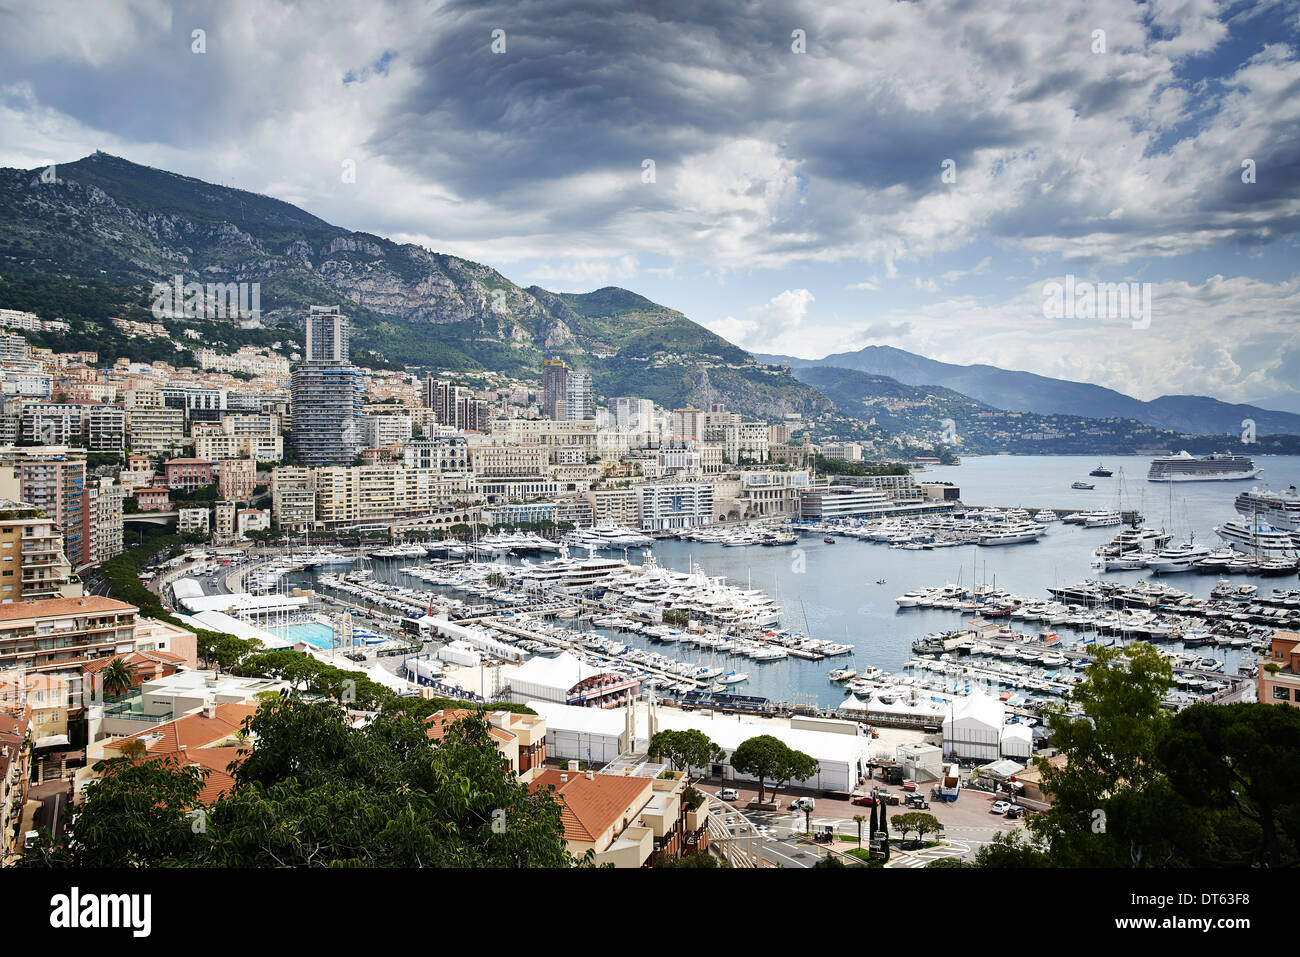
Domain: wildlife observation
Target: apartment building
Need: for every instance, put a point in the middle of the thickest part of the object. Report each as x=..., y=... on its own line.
x=381, y=430
x=105, y=428
x=380, y=493
x=293, y=498
x=32, y=561
x=214, y=445
x=56, y=634
x=108, y=525
x=154, y=430
x=613, y=506
x=236, y=479
x=660, y=507
x=15, y=772
x=53, y=479
x=327, y=403
x=193, y=521
x=546, y=432
x=52, y=423
x=260, y=363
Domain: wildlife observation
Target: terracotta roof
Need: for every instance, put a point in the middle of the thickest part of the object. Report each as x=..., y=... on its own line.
x=49, y=607
x=216, y=760
x=195, y=731
x=590, y=806
x=438, y=723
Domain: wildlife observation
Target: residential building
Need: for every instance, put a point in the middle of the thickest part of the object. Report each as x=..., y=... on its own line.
x=381, y=430
x=446, y=453
x=521, y=738
x=660, y=507
x=54, y=634
x=188, y=474
x=293, y=497
x=153, y=498
x=32, y=560
x=236, y=479
x=328, y=338
x=555, y=389
x=1278, y=680
x=327, y=402
x=53, y=479
x=579, y=398
x=193, y=521
x=15, y=772
x=223, y=522
x=105, y=428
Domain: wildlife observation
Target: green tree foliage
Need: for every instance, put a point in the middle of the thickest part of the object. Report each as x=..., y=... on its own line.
x=685, y=749
x=313, y=791
x=771, y=759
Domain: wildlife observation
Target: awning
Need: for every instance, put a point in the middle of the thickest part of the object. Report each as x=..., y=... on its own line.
x=52, y=741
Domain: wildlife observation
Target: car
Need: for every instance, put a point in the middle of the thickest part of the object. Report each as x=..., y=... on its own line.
x=803, y=804
x=864, y=800
x=728, y=794
x=909, y=785
x=1014, y=812
x=999, y=807
x=917, y=801
x=731, y=819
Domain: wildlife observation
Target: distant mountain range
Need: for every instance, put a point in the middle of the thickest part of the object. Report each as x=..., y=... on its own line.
x=1027, y=392
x=124, y=226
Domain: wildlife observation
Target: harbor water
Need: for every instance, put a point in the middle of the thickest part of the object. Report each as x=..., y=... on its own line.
x=833, y=592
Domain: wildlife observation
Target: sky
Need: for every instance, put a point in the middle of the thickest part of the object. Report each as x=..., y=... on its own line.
x=803, y=178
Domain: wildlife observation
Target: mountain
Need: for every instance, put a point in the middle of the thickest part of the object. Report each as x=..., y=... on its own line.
x=924, y=416
x=119, y=227
x=1027, y=392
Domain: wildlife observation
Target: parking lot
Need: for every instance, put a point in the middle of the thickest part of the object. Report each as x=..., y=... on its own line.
x=966, y=821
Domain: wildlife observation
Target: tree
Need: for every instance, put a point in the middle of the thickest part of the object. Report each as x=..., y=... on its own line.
x=312, y=791
x=1107, y=794
x=1242, y=758
x=135, y=815
x=858, y=819
x=685, y=749
x=766, y=757
x=118, y=677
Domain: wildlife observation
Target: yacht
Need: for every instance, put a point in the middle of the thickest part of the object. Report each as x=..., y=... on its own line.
x=1185, y=467
x=1180, y=558
x=1043, y=516
x=1083, y=486
x=1102, y=519
x=1101, y=471
x=1279, y=509
x=1259, y=539
x=1012, y=534
x=1135, y=539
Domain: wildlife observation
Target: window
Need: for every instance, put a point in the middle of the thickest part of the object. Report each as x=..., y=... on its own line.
x=1281, y=694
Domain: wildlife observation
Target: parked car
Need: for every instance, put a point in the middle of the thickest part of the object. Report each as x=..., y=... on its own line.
x=728, y=794
x=1015, y=811
x=864, y=800
x=999, y=807
x=917, y=801
x=803, y=804
x=909, y=785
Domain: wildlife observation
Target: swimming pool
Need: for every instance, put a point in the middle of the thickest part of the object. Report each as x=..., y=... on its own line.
x=313, y=632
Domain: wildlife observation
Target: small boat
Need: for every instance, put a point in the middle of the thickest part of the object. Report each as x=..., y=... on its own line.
x=1082, y=485
x=828, y=540
x=733, y=677
x=881, y=581
x=843, y=674
x=1101, y=471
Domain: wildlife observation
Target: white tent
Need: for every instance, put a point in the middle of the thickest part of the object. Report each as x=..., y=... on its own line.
x=852, y=703
x=577, y=734
x=1017, y=741
x=974, y=728
x=548, y=679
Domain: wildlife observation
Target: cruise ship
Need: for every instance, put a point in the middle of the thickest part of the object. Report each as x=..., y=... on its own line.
x=1185, y=467
x=1279, y=509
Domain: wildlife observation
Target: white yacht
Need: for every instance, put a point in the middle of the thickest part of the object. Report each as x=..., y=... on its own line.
x=1012, y=534
x=1045, y=516
x=1180, y=558
x=1258, y=539
x=1102, y=519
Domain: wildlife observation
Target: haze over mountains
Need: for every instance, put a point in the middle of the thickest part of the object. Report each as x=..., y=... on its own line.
x=1028, y=392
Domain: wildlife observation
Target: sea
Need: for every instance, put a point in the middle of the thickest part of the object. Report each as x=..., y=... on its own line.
x=846, y=591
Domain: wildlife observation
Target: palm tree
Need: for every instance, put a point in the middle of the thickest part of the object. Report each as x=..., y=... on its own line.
x=117, y=677
x=859, y=819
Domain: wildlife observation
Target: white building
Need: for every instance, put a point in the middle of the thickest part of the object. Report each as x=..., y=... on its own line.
x=673, y=506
